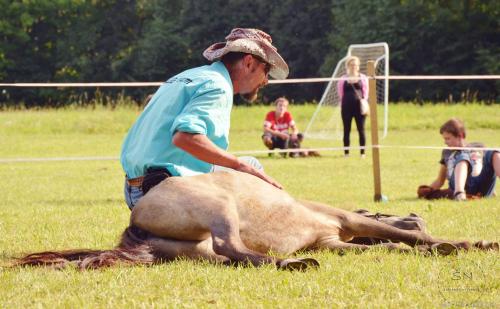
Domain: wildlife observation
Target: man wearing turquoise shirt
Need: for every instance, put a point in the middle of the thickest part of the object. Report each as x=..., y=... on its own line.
x=184, y=129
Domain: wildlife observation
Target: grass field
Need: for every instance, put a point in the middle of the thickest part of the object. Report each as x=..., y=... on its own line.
x=79, y=204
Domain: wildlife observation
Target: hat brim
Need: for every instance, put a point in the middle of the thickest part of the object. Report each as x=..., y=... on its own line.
x=279, y=68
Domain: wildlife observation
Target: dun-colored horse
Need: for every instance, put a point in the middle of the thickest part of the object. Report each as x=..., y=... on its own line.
x=231, y=218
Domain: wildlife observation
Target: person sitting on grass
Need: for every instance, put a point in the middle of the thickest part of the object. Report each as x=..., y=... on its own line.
x=470, y=173
x=277, y=127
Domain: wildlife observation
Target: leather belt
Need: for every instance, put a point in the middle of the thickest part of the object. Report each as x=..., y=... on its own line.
x=135, y=182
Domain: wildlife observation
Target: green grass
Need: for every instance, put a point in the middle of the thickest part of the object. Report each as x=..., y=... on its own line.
x=79, y=204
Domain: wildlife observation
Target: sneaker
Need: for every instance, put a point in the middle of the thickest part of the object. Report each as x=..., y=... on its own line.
x=363, y=156
x=346, y=155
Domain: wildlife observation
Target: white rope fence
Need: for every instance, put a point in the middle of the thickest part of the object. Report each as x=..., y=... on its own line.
x=253, y=152
x=279, y=81
x=390, y=77
x=55, y=159
x=361, y=147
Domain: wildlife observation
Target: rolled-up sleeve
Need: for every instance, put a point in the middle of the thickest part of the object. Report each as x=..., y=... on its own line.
x=201, y=113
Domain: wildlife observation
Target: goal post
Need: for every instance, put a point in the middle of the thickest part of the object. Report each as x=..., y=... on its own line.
x=326, y=121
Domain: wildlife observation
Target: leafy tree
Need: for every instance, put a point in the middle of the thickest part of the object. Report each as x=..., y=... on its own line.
x=129, y=40
x=44, y=41
x=425, y=38
x=28, y=48
x=298, y=29
x=162, y=49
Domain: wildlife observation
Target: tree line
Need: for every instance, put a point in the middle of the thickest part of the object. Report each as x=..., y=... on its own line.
x=151, y=40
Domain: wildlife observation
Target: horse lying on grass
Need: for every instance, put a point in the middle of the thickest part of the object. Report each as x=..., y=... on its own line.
x=231, y=218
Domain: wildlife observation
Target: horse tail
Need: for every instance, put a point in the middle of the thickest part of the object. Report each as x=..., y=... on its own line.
x=133, y=249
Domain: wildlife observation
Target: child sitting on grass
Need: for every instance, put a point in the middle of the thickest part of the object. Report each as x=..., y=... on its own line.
x=470, y=173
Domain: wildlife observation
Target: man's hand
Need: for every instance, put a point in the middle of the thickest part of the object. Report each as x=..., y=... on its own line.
x=282, y=135
x=246, y=168
x=277, y=133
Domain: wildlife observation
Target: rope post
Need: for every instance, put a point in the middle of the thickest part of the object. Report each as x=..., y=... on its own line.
x=372, y=99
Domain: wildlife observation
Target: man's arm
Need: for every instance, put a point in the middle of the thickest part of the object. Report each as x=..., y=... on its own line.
x=267, y=129
x=441, y=178
x=199, y=146
x=293, y=126
x=295, y=132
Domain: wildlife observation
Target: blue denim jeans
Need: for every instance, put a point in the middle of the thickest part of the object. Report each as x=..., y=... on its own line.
x=484, y=183
x=132, y=195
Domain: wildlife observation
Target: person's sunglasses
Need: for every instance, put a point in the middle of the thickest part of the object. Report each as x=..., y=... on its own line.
x=267, y=66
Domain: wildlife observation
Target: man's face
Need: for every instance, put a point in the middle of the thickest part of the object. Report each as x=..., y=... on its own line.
x=451, y=141
x=281, y=107
x=256, y=78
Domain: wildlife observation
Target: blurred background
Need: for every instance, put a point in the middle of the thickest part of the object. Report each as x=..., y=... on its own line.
x=149, y=41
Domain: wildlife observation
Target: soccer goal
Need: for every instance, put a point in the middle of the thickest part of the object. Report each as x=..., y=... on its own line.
x=326, y=122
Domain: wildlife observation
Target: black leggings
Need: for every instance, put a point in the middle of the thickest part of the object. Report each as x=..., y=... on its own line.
x=347, y=115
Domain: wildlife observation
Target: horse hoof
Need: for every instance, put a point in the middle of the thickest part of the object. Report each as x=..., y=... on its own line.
x=445, y=248
x=312, y=263
x=487, y=245
x=292, y=264
x=424, y=250
x=297, y=264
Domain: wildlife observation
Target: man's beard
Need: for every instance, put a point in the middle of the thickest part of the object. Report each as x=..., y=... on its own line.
x=251, y=96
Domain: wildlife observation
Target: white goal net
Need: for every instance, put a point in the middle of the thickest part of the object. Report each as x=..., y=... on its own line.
x=326, y=121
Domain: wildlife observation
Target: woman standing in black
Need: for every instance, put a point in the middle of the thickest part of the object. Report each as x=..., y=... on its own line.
x=351, y=89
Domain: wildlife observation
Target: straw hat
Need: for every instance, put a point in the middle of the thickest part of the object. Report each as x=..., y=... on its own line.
x=250, y=41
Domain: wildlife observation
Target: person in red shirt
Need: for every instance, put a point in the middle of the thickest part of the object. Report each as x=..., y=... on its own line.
x=279, y=127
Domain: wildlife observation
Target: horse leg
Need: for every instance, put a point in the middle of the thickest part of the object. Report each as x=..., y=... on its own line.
x=360, y=226
x=441, y=248
x=334, y=244
x=228, y=251
x=169, y=249
x=227, y=242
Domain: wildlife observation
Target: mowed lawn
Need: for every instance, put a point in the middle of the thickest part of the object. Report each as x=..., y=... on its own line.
x=55, y=205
